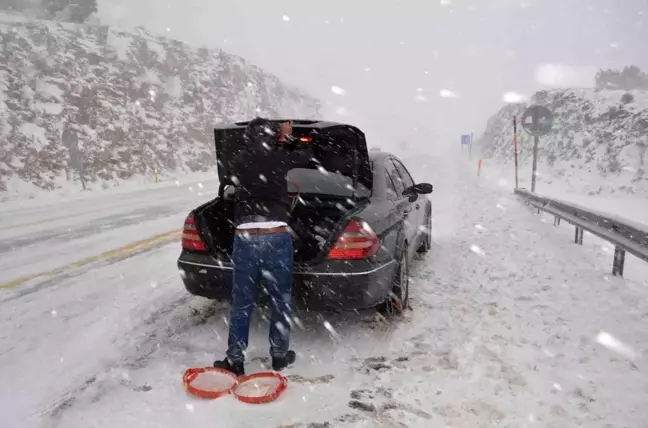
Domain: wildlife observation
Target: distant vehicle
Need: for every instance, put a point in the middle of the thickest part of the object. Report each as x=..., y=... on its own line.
x=358, y=222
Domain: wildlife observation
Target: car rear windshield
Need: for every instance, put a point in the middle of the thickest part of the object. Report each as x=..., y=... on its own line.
x=319, y=182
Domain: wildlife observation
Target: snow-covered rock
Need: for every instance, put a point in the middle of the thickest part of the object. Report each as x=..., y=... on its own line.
x=96, y=105
x=599, y=141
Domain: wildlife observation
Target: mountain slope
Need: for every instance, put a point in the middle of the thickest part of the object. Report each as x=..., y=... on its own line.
x=92, y=104
x=599, y=142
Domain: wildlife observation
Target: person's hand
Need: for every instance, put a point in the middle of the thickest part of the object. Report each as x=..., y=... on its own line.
x=285, y=130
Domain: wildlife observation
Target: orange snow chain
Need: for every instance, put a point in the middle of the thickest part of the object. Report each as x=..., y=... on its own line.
x=198, y=382
x=260, y=388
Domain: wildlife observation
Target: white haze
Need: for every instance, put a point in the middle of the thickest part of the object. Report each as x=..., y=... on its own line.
x=419, y=71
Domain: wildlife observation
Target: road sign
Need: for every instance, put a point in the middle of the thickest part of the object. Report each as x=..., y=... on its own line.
x=465, y=139
x=537, y=120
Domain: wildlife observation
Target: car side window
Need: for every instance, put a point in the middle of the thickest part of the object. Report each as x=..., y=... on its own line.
x=390, y=168
x=404, y=174
x=391, y=189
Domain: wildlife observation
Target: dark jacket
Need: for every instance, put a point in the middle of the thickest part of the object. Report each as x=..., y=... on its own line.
x=261, y=185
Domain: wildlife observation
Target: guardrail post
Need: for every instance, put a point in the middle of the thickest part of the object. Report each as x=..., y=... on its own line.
x=578, y=238
x=556, y=221
x=619, y=261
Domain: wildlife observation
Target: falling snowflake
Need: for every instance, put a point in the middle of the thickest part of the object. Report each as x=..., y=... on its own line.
x=475, y=249
x=298, y=322
x=446, y=93
x=286, y=18
x=446, y=2
x=282, y=328
x=337, y=90
x=268, y=276
x=329, y=327
x=615, y=345
x=53, y=313
x=189, y=407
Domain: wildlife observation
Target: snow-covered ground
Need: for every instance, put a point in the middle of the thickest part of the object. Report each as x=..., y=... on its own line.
x=510, y=327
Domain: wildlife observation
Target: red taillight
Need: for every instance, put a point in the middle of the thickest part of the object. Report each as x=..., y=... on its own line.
x=190, y=238
x=358, y=241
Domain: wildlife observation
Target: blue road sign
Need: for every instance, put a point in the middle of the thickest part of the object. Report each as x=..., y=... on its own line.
x=465, y=139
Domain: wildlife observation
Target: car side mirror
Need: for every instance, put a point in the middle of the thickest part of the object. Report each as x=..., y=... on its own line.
x=418, y=189
x=229, y=192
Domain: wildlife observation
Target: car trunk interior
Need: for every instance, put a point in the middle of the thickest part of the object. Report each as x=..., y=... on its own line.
x=315, y=224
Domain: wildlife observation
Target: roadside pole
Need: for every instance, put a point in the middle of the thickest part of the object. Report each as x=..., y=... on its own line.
x=470, y=146
x=534, y=169
x=515, y=145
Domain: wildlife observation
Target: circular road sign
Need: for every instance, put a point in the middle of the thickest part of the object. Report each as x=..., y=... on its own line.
x=537, y=120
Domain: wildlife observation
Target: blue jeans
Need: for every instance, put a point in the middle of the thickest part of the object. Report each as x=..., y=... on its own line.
x=266, y=258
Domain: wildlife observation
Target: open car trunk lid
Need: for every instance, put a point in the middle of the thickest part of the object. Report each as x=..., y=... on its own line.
x=343, y=148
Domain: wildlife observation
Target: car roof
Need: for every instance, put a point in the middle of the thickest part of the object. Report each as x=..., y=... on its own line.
x=376, y=156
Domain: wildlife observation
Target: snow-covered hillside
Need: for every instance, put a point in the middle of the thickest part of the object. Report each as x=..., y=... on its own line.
x=95, y=105
x=599, y=143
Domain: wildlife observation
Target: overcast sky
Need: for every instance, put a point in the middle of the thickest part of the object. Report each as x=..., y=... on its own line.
x=394, y=57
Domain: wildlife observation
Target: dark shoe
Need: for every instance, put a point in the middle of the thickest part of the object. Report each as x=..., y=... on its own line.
x=280, y=363
x=237, y=368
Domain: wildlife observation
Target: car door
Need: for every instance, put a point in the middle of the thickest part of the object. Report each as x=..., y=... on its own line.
x=402, y=202
x=417, y=217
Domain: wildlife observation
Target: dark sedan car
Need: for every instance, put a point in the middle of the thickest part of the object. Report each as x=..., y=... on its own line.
x=358, y=219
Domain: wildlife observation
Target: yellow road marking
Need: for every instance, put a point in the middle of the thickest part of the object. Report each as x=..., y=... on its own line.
x=116, y=254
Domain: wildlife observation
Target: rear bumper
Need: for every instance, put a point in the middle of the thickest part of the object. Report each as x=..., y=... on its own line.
x=331, y=285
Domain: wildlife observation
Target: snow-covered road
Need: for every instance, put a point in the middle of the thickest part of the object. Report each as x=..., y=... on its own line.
x=39, y=237
x=503, y=332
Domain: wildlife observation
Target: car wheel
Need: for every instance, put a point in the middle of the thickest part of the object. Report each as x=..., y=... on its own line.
x=398, y=299
x=426, y=245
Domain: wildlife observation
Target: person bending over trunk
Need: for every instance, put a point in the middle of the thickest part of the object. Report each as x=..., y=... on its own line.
x=263, y=246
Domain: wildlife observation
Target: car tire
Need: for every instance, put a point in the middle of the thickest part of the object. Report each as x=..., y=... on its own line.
x=398, y=300
x=426, y=244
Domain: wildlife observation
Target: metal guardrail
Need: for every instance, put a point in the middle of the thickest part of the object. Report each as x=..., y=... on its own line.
x=626, y=237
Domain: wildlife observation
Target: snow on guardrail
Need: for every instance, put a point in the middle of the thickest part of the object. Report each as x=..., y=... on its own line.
x=624, y=234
